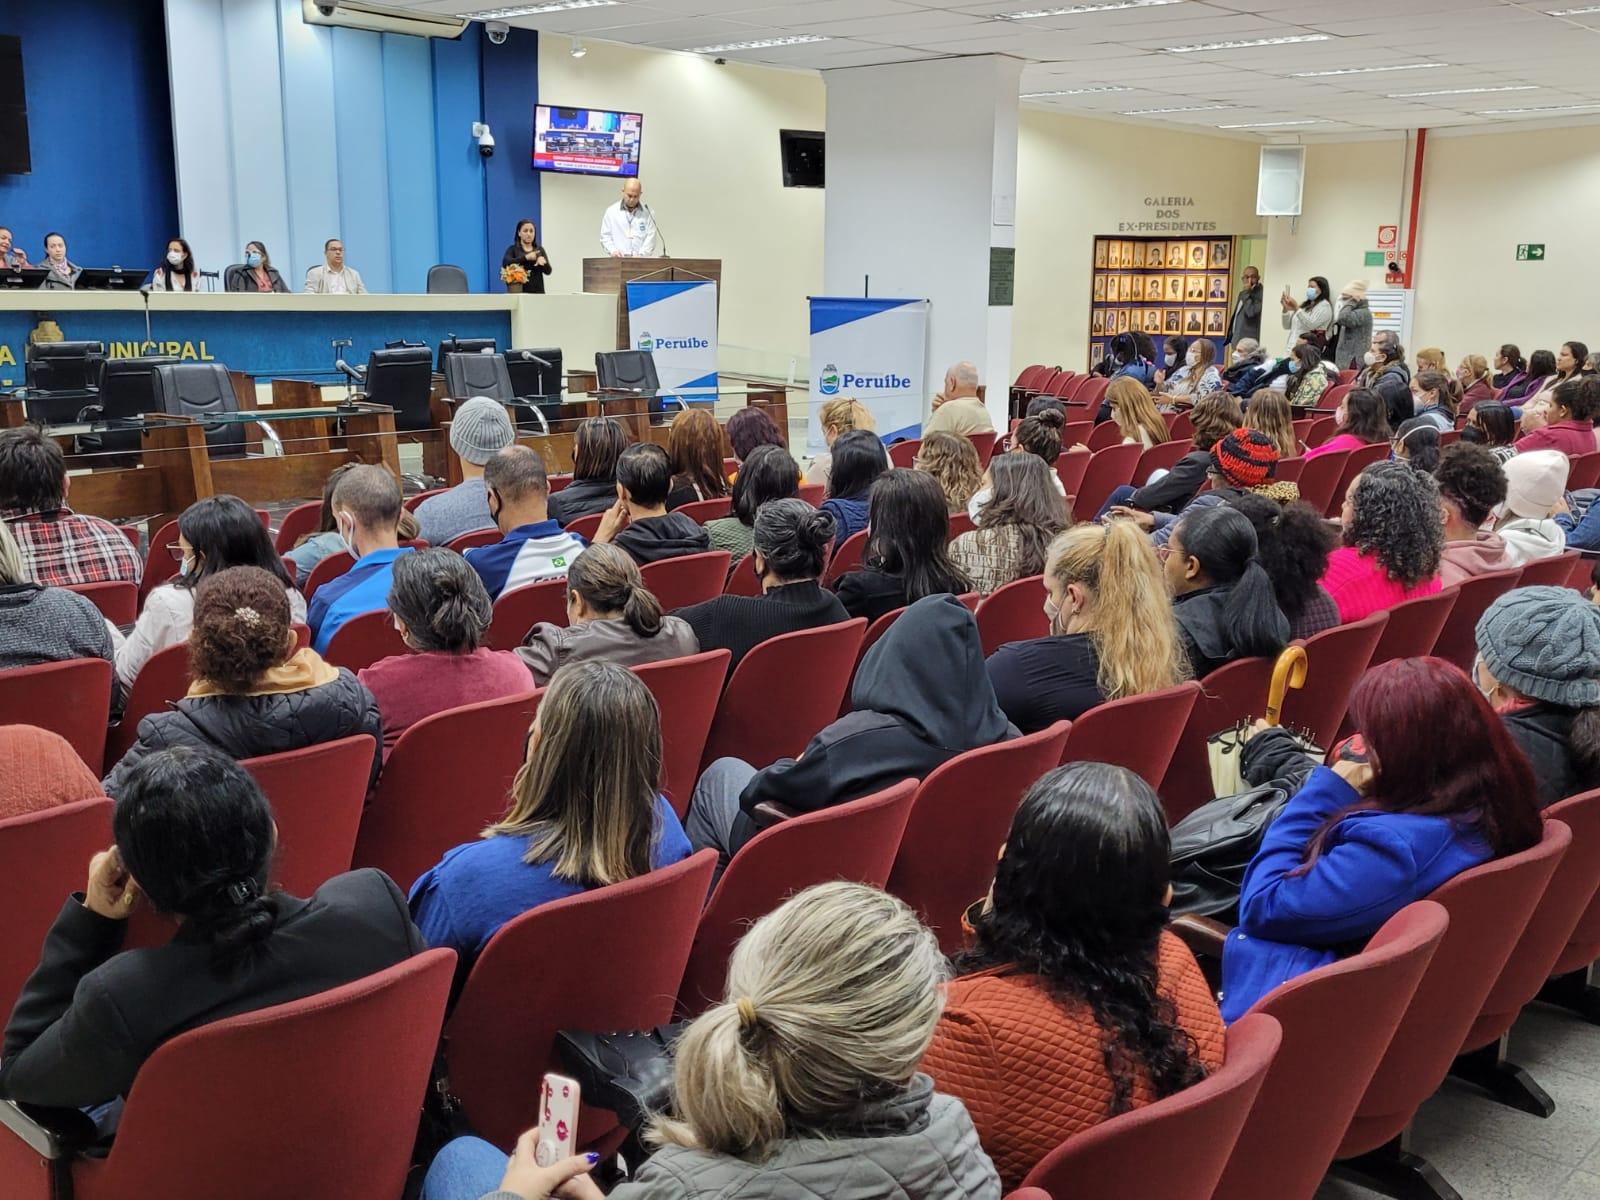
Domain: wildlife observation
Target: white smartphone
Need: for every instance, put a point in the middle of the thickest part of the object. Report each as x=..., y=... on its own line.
x=558, y=1120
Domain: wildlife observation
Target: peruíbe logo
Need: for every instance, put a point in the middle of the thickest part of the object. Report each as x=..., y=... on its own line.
x=828, y=385
x=646, y=343
x=832, y=381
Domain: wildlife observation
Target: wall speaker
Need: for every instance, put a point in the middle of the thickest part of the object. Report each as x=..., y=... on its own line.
x=1281, y=181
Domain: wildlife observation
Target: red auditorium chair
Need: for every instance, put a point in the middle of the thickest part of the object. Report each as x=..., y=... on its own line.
x=1458, y=640
x=1335, y=660
x=1289, y=470
x=1318, y=431
x=1180, y=426
x=701, y=511
x=586, y=527
x=742, y=579
x=1070, y=468
x=961, y=523
x=1319, y=478
x=559, y=482
x=983, y=443
x=855, y=842
x=316, y=795
x=1175, y=1148
x=117, y=600
x=159, y=564
x=447, y=778
x=517, y=611
x=1355, y=462
x=1571, y=892
x=44, y=858
x=847, y=555
x=1092, y=392
x=335, y=1082
x=162, y=680
x=1584, y=472
x=1013, y=613
x=1413, y=627
x=411, y=503
x=1107, y=433
x=687, y=579
x=1489, y=907
x=901, y=454
x=1159, y=458
x=337, y=563
x=1570, y=976
x=1293, y=1130
x=958, y=822
x=607, y=959
x=1137, y=732
x=1107, y=470
x=472, y=539
x=868, y=640
x=72, y=698
x=364, y=639
x=1549, y=572
x=1228, y=695
x=687, y=691
x=300, y=521
x=784, y=692
x=813, y=493
x=1076, y=433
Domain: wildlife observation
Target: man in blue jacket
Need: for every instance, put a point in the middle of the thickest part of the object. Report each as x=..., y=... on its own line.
x=366, y=510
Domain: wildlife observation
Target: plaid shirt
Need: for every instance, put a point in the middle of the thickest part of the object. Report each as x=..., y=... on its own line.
x=60, y=547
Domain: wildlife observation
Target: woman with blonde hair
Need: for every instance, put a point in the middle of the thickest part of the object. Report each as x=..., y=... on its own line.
x=1134, y=411
x=838, y=416
x=1476, y=382
x=585, y=812
x=1270, y=413
x=953, y=462
x=804, y=1081
x=1112, y=630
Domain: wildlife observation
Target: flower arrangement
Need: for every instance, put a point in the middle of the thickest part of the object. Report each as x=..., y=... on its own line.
x=514, y=273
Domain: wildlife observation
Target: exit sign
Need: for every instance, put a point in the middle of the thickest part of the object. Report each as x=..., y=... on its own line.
x=1530, y=251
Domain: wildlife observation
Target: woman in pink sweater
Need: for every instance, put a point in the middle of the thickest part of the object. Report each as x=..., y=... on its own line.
x=1393, y=537
x=1361, y=420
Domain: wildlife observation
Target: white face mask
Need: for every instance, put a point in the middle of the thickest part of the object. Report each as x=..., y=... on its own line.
x=1192, y=359
x=1052, y=612
x=1170, y=359
x=1372, y=358
x=175, y=257
x=344, y=521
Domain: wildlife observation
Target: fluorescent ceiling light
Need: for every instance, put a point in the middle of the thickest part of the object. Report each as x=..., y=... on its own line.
x=529, y=10
x=1083, y=91
x=1073, y=10
x=1150, y=112
x=1505, y=112
x=1513, y=87
x=1573, y=12
x=763, y=43
x=1274, y=124
x=1368, y=70
x=1251, y=44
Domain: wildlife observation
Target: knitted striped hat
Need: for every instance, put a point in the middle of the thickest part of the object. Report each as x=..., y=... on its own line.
x=1246, y=458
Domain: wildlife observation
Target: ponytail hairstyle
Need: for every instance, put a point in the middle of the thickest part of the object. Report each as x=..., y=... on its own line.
x=197, y=835
x=1513, y=355
x=442, y=601
x=1040, y=434
x=1438, y=383
x=609, y=582
x=1223, y=541
x=1419, y=439
x=1130, y=623
x=1293, y=543
x=831, y=997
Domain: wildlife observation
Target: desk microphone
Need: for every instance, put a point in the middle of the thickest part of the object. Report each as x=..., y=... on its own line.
x=145, y=292
x=654, y=224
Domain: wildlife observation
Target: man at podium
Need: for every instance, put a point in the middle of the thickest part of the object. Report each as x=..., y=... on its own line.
x=628, y=228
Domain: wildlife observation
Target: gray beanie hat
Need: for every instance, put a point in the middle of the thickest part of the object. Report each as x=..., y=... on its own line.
x=480, y=429
x=1545, y=643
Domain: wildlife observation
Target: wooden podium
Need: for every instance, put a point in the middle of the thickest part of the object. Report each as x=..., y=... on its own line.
x=610, y=276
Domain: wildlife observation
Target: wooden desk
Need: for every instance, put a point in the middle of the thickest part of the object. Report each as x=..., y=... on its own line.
x=611, y=276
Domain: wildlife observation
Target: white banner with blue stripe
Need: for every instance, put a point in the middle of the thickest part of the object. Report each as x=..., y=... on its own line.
x=872, y=351
x=676, y=321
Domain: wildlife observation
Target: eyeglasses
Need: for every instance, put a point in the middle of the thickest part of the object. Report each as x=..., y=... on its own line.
x=1163, y=551
x=177, y=552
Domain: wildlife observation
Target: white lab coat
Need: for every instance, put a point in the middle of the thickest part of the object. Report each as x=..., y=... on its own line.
x=633, y=233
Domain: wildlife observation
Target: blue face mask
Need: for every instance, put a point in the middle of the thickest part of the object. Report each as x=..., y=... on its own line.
x=252, y=260
x=1294, y=366
x=184, y=567
x=1311, y=295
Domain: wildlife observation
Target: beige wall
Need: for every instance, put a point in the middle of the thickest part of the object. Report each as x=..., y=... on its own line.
x=1077, y=178
x=712, y=174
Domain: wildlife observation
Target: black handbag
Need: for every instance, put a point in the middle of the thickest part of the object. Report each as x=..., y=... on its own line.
x=1212, y=848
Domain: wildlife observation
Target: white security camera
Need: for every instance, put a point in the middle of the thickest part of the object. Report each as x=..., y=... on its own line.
x=326, y=9
x=480, y=130
x=498, y=31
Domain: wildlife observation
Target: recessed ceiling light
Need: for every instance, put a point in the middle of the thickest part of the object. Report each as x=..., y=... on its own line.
x=763, y=43
x=1083, y=91
x=528, y=10
x=1573, y=12
x=1150, y=112
x=1275, y=124
x=1073, y=10
x=1251, y=44
x=1505, y=112
x=1368, y=70
x=1513, y=87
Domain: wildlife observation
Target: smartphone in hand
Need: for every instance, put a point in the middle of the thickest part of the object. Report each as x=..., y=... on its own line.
x=558, y=1120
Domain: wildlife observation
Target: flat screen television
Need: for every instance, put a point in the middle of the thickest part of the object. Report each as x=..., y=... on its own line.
x=15, y=158
x=586, y=141
x=804, y=158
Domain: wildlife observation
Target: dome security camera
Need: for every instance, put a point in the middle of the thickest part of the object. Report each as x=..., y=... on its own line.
x=498, y=31
x=480, y=130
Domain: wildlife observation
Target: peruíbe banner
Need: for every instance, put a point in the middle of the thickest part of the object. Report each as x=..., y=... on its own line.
x=676, y=322
x=872, y=351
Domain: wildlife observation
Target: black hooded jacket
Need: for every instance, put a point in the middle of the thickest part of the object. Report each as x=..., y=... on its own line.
x=650, y=539
x=921, y=697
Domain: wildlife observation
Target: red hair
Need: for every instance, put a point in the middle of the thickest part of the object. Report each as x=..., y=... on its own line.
x=1439, y=749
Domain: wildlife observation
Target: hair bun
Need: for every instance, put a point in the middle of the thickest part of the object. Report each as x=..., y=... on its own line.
x=1051, y=416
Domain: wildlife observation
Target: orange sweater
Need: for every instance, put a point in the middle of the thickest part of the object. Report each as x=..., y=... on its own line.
x=1030, y=1069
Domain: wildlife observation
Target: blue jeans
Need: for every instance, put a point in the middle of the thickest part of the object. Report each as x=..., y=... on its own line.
x=468, y=1168
x=1119, y=495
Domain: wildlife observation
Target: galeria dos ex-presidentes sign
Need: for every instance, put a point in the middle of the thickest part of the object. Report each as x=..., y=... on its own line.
x=1167, y=214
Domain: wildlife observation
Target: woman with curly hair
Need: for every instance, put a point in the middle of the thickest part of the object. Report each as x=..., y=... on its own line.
x=1293, y=543
x=953, y=462
x=1070, y=953
x=1025, y=511
x=1393, y=539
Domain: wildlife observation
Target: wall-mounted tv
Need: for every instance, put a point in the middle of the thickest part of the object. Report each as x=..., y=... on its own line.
x=14, y=156
x=586, y=141
x=804, y=154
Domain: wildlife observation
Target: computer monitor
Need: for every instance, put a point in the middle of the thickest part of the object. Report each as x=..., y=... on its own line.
x=22, y=277
x=455, y=345
x=112, y=279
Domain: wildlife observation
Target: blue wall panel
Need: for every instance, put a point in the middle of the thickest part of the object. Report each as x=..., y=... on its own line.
x=311, y=157
x=363, y=154
x=510, y=92
x=408, y=123
x=255, y=114
x=100, y=131
x=459, y=171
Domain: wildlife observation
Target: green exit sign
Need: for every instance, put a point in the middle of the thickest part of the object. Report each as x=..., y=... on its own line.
x=1530, y=251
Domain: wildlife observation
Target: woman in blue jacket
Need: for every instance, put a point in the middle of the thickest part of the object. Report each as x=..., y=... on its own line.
x=858, y=460
x=1438, y=787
